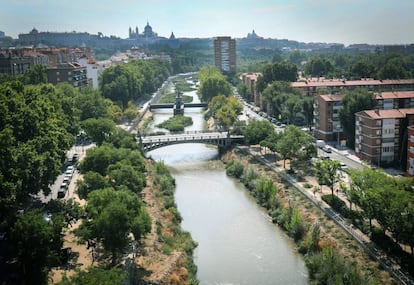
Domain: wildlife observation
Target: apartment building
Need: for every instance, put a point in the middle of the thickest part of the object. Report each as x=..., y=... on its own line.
x=326, y=117
x=410, y=151
x=71, y=72
x=326, y=111
x=225, y=54
x=379, y=134
x=250, y=79
x=310, y=87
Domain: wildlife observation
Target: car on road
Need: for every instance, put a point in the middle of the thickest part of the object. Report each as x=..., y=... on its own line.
x=326, y=149
x=66, y=180
x=75, y=157
x=62, y=190
x=344, y=167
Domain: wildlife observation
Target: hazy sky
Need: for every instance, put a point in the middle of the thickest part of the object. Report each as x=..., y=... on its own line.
x=341, y=21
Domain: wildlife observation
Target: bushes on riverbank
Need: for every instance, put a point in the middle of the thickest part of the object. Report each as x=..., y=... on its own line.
x=171, y=234
x=325, y=264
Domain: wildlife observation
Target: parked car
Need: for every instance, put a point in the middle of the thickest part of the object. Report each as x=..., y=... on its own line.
x=75, y=157
x=326, y=149
x=62, y=190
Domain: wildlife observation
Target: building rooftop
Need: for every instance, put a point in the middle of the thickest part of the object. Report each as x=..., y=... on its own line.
x=340, y=83
x=332, y=97
x=394, y=95
x=387, y=114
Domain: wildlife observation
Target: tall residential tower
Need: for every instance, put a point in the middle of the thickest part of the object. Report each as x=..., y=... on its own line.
x=225, y=54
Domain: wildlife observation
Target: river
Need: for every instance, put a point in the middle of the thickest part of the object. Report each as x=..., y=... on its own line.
x=237, y=242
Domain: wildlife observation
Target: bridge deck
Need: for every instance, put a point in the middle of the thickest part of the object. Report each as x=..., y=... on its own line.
x=217, y=138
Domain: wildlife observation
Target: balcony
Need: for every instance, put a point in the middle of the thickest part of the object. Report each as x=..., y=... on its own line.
x=412, y=139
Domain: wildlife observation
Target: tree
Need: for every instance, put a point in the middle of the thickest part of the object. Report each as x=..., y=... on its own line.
x=98, y=129
x=327, y=173
x=213, y=83
x=353, y=102
x=318, y=67
x=293, y=143
x=124, y=174
x=393, y=69
x=226, y=116
x=112, y=215
x=280, y=71
x=34, y=136
x=307, y=107
x=257, y=131
x=91, y=181
x=283, y=100
x=96, y=275
x=35, y=74
x=363, y=69
x=33, y=238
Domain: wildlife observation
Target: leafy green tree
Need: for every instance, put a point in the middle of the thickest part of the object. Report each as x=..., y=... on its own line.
x=98, y=129
x=216, y=103
x=257, y=131
x=327, y=173
x=123, y=174
x=363, y=69
x=293, y=143
x=35, y=74
x=112, y=215
x=91, y=104
x=283, y=99
x=98, y=159
x=307, y=107
x=90, y=181
x=213, y=83
x=34, y=135
x=225, y=117
x=280, y=71
x=131, y=112
x=114, y=112
x=297, y=57
x=33, y=238
x=393, y=69
x=318, y=67
x=96, y=275
x=353, y=102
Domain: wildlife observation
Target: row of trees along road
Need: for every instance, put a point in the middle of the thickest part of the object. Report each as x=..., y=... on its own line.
x=38, y=124
x=293, y=143
x=134, y=80
x=375, y=196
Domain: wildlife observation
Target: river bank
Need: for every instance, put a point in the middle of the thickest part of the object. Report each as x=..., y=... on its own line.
x=331, y=235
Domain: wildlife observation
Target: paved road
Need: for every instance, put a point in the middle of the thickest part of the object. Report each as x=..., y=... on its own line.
x=80, y=150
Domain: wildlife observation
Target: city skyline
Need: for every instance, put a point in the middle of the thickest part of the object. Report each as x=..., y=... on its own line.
x=330, y=21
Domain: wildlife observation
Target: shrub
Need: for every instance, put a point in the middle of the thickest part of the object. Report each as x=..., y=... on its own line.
x=235, y=169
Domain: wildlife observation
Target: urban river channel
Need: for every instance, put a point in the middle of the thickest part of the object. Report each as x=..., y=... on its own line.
x=237, y=242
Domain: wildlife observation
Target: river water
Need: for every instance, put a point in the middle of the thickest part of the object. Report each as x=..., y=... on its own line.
x=237, y=242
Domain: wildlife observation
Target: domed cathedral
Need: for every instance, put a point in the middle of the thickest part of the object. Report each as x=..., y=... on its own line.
x=148, y=33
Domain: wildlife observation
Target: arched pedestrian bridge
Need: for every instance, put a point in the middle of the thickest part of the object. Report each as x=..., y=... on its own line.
x=221, y=139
